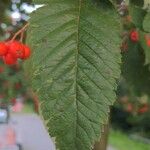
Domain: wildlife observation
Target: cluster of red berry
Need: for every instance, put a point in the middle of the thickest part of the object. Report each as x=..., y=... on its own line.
x=134, y=108
x=134, y=36
x=141, y=110
x=11, y=51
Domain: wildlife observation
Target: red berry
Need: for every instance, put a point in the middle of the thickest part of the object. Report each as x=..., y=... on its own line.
x=1, y=96
x=1, y=69
x=27, y=52
x=129, y=107
x=9, y=59
x=16, y=49
x=17, y=85
x=129, y=18
x=143, y=109
x=148, y=42
x=13, y=101
x=3, y=49
x=134, y=36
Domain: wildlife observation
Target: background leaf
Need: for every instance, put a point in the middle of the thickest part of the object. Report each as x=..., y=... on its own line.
x=146, y=23
x=134, y=69
x=138, y=14
x=137, y=2
x=74, y=67
x=146, y=48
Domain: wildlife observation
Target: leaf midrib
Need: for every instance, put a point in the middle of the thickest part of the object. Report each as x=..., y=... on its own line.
x=76, y=72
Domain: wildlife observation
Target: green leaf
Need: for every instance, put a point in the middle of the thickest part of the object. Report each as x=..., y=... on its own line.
x=137, y=15
x=146, y=23
x=146, y=48
x=73, y=68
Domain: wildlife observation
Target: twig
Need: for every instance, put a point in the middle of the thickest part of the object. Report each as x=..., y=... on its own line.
x=20, y=31
x=21, y=36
